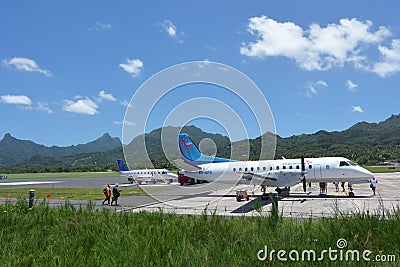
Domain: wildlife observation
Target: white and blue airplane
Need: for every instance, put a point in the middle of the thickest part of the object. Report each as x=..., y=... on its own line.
x=278, y=174
x=146, y=175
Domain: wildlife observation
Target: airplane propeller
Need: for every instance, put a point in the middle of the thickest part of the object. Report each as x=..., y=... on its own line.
x=303, y=174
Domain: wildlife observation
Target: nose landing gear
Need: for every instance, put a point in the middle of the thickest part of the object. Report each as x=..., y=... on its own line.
x=351, y=193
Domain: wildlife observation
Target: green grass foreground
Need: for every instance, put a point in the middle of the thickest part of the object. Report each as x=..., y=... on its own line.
x=67, y=236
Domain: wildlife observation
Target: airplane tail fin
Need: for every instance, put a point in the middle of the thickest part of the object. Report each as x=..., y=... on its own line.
x=191, y=153
x=188, y=149
x=121, y=165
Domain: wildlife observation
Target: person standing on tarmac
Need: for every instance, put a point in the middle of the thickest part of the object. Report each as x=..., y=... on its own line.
x=336, y=186
x=116, y=193
x=373, y=182
x=107, y=194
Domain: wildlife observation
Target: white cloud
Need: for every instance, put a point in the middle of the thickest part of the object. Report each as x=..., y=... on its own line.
x=321, y=83
x=125, y=123
x=132, y=66
x=99, y=26
x=171, y=30
x=25, y=64
x=351, y=86
x=203, y=64
x=44, y=107
x=126, y=104
x=169, y=27
x=391, y=59
x=105, y=96
x=312, y=90
x=26, y=102
x=16, y=99
x=357, y=109
x=316, y=48
x=81, y=106
x=314, y=86
x=210, y=48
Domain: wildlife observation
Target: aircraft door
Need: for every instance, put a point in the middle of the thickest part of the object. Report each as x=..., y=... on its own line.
x=317, y=171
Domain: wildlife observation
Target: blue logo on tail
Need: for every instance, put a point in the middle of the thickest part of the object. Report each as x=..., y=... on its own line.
x=192, y=154
x=188, y=149
x=121, y=165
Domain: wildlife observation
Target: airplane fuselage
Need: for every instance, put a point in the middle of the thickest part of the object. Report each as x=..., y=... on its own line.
x=283, y=173
x=146, y=173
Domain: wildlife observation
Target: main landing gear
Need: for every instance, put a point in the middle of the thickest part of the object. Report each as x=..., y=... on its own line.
x=350, y=187
x=282, y=192
x=264, y=195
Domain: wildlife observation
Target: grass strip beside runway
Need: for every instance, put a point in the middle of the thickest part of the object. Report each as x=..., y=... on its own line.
x=61, y=175
x=381, y=169
x=63, y=193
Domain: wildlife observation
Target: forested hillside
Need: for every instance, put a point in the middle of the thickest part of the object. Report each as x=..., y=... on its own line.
x=13, y=150
x=365, y=143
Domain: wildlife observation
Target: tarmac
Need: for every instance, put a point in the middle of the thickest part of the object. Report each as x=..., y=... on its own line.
x=297, y=205
x=312, y=204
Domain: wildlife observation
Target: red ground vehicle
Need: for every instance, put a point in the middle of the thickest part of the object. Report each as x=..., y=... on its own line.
x=182, y=179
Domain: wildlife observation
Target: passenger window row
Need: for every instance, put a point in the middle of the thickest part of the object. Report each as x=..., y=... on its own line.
x=251, y=169
x=152, y=172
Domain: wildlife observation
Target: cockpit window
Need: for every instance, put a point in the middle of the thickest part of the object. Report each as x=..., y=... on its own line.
x=347, y=163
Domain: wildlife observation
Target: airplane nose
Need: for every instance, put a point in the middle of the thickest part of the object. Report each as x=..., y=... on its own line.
x=369, y=174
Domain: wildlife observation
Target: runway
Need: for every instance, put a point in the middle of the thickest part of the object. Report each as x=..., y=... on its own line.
x=84, y=182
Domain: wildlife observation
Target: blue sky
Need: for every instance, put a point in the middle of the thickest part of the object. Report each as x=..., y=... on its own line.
x=69, y=68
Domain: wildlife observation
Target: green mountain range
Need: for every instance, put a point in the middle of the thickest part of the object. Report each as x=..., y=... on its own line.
x=13, y=150
x=365, y=143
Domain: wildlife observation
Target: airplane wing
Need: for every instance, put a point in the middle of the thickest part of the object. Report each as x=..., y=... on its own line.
x=265, y=178
x=186, y=166
x=260, y=176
